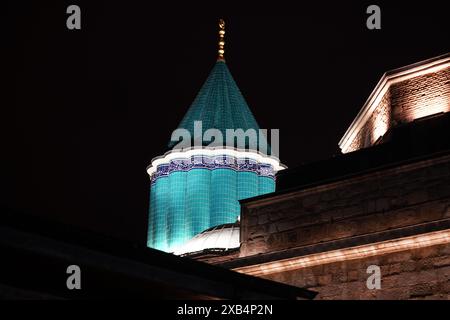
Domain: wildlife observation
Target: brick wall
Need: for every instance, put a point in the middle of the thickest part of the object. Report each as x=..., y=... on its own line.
x=403, y=102
x=421, y=96
x=416, y=274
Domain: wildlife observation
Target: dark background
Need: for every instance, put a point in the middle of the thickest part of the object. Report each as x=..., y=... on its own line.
x=84, y=112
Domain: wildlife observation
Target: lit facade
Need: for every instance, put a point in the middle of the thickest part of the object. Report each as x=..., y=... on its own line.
x=401, y=96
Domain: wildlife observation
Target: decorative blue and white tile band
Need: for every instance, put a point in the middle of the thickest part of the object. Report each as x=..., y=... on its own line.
x=212, y=163
x=211, y=159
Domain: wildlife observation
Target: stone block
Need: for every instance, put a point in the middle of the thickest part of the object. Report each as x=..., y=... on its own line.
x=324, y=279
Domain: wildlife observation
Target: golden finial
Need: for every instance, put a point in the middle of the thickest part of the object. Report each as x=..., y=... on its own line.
x=221, y=39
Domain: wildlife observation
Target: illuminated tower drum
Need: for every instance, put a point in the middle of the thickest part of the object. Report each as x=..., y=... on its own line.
x=193, y=189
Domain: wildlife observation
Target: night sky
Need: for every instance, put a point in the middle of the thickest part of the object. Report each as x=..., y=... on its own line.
x=84, y=112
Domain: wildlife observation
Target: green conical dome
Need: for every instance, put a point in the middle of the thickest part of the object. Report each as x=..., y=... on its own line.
x=219, y=105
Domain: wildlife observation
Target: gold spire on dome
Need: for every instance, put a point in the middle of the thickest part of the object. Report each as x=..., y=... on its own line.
x=221, y=40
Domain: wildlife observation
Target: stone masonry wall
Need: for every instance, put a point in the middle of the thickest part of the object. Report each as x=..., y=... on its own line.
x=417, y=274
x=392, y=198
x=382, y=201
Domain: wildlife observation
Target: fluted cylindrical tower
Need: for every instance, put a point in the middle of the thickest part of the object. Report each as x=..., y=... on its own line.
x=197, y=187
